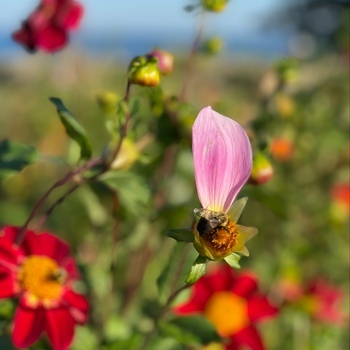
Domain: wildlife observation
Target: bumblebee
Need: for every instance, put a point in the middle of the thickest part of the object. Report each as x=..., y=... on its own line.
x=209, y=220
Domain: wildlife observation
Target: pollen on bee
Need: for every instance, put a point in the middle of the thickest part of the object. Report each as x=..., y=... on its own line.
x=221, y=239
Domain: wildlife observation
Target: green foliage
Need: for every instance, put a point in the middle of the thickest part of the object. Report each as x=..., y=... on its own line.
x=73, y=129
x=14, y=157
x=181, y=235
x=132, y=189
x=192, y=330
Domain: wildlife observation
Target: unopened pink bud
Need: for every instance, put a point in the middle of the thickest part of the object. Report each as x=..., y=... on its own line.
x=165, y=60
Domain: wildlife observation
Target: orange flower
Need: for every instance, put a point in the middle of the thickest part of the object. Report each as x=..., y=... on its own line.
x=281, y=149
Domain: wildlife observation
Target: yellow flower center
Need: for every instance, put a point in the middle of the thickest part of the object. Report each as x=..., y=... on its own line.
x=41, y=277
x=228, y=312
x=217, y=243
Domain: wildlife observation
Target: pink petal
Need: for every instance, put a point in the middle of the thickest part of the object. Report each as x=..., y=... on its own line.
x=259, y=307
x=28, y=326
x=222, y=159
x=45, y=244
x=59, y=328
x=78, y=306
x=246, y=338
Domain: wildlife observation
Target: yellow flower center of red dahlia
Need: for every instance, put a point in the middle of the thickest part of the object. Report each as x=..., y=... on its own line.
x=41, y=277
x=227, y=312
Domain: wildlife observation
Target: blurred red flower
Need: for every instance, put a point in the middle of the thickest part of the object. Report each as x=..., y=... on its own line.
x=322, y=301
x=40, y=274
x=47, y=27
x=341, y=195
x=232, y=302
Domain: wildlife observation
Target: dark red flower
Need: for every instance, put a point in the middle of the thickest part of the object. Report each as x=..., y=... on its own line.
x=47, y=27
x=40, y=273
x=232, y=302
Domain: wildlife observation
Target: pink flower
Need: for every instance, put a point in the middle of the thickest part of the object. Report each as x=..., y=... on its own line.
x=47, y=27
x=40, y=273
x=233, y=304
x=222, y=159
x=222, y=163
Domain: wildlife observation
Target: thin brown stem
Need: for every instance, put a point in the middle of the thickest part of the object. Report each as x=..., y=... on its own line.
x=55, y=204
x=69, y=176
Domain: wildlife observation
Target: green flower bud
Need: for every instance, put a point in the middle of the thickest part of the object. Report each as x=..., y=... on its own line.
x=214, y=5
x=107, y=101
x=213, y=45
x=126, y=157
x=262, y=170
x=144, y=71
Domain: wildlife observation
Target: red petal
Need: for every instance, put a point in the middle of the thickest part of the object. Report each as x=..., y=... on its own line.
x=246, y=337
x=70, y=16
x=7, y=284
x=9, y=233
x=78, y=306
x=45, y=244
x=60, y=328
x=9, y=255
x=244, y=285
x=259, y=307
x=52, y=38
x=220, y=278
x=28, y=326
x=69, y=265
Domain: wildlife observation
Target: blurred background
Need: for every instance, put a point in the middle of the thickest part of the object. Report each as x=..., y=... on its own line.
x=280, y=68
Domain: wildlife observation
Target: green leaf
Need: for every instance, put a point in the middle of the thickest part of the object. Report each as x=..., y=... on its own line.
x=180, y=235
x=14, y=157
x=133, y=191
x=197, y=270
x=134, y=106
x=84, y=339
x=233, y=260
x=73, y=129
x=165, y=279
x=191, y=330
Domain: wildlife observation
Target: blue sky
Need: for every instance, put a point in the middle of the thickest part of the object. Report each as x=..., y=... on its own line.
x=119, y=19
x=150, y=15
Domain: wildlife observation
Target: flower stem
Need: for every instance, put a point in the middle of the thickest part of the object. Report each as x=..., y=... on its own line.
x=69, y=176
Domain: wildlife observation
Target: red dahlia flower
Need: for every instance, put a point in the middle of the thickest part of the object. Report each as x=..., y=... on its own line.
x=47, y=27
x=322, y=301
x=40, y=274
x=231, y=301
